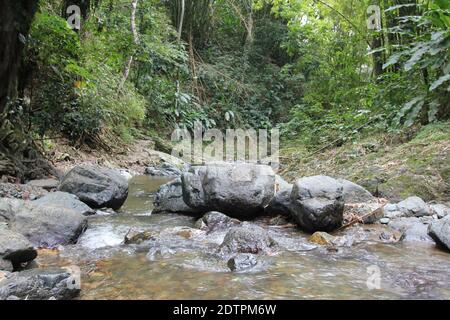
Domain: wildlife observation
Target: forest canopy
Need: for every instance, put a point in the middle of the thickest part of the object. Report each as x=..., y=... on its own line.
x=315, y=69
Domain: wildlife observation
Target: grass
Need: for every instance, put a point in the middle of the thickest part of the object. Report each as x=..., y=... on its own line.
x=417, y=163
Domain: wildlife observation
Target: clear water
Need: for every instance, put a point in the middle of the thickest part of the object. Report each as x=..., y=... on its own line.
x=189, y=270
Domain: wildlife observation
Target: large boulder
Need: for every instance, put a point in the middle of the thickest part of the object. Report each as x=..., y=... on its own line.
x=169, y=199
x=239, y=190
x=412, y=228
x=49, y=226
x=15, y=248
x=410, y=207
x=246, y=238
x=354, y=193
x=96, y=186
x=317, y=203
x=440, y=231
x=65, y=200
x=40, y=284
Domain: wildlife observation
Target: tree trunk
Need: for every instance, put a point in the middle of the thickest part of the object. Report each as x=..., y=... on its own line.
x=126, y=72
x=15, y=22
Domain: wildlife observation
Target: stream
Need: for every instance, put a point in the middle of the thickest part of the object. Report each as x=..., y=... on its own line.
x=185, y=269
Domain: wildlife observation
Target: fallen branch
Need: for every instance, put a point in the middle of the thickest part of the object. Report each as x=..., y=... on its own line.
x=359, y=219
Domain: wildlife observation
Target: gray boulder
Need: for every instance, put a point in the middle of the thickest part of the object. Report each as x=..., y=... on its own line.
x=214, y=220
x=6, y=265
x=317, y=203
x=49, y=226
x=65, y=200
x=15, y=248
x=246, y=238
x=242, y=262
x=410, y=207
x=169, y=199
x=96, y=186
x=40, y=284
x=440, y=231
x=439, y=210
x=354, y=193
x=239, y=190
x=413, y=229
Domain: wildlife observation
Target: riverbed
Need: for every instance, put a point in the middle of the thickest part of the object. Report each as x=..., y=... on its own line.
x=184, y=266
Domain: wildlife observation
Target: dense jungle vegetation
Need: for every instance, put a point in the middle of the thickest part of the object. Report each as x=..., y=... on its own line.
x=311, y=68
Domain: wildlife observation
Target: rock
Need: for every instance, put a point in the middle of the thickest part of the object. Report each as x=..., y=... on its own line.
x=246, y=238
x=8, y=207
x=49, y=226
x=65, y=200
x=15, y=248
x=239, y=190
x=134, y=237
x=354, y=193
x=96, y=186
x=410, y=207
x=21, y=191
x=439, y=210
x=242, y=262
x=412, y=228
x=40, y=284
x=439, y=231
x=47, y=184
x=214, y=220
x=322, y=238
x=385, y=220
x=169, y=199
x=163, y=170
x=317, y=203
x=6, y=265
x=413, y=207
x=280, y=203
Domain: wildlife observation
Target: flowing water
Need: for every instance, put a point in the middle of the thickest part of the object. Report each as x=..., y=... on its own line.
x=183, y=265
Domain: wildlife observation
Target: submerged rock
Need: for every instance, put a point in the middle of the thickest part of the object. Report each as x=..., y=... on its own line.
x=15, y=248
x=440, y=231
x=322, y=238
x=49, y=226
x=40, y=284
x=65, y=200
x=317, y=203
x=214, y=220
x=96, y=186
x=413, y=229
x=246, y=238
x=354, y=193
x=169, y=199
x=239, y=190
x=134, y=237
x=242, y=262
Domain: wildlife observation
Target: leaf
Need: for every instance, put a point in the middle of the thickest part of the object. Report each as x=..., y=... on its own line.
x=439, y=82
x=393, y=59
x=433, y=109
x=418, y=53
x=400, y=6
